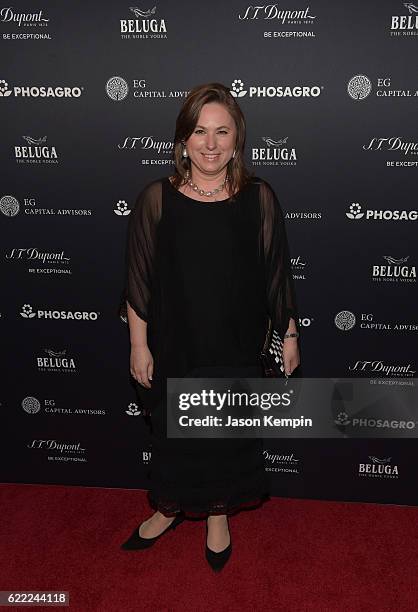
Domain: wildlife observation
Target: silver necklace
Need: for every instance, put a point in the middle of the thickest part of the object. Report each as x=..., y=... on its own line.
x=202, y=192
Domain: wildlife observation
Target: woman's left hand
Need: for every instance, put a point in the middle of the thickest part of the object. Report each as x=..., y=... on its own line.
x=291, y=358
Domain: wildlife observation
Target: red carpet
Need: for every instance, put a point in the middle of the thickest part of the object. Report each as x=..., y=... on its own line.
x=290, y=555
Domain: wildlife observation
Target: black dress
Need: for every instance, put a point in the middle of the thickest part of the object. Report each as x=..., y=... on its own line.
x=205, y=276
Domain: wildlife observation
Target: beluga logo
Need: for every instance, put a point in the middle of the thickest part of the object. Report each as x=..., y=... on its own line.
x=143, y=24
x=379, y=468
x=395, y=270
x=37, y=152
x=274, y=153
x=405, y=25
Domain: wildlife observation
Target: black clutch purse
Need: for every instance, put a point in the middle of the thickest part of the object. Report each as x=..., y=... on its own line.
x=272, y=354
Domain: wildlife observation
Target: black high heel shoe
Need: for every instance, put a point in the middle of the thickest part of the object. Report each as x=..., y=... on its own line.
x=217, y=559
x=135, y=542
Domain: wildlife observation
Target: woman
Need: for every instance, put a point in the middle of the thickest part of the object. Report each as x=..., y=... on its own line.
x=207, y=264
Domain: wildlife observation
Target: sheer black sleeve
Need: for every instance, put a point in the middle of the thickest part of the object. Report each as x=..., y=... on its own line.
x=140, y=250
x=280, y=291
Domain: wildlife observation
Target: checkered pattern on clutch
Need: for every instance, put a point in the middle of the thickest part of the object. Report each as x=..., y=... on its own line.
x=272, y=354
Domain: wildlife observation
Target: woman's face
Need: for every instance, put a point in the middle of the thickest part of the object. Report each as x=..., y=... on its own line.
x=211, y=145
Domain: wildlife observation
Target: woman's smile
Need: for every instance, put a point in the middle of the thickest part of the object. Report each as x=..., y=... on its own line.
x=211, y=156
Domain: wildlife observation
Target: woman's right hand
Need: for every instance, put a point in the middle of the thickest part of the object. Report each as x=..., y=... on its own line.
x=142, y=365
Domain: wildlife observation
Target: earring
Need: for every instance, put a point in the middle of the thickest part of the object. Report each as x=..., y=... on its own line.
x=184, y=152
x=233, y=154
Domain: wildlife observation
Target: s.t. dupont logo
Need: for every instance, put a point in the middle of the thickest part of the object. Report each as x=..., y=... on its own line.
x=270, y=12
x=22, y=22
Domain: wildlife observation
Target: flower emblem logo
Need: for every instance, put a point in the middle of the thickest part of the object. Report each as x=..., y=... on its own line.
x=342, y=419
x=355, y=211
x=133, y=409
x=27, y=312
x=237, y=89
x=4, y=89
x=121, y=208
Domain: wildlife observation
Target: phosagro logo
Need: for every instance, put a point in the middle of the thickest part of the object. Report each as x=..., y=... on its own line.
x=355, y=212
x=238, y=90
x=28, y=313
x=35, y=91
x=343, y=419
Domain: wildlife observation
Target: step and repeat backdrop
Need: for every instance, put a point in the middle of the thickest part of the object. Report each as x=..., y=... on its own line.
x=89, y=94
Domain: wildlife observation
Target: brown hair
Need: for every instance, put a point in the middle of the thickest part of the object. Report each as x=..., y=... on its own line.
x=237, y=172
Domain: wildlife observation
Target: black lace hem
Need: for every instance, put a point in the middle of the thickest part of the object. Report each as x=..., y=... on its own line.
x=172, y=508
